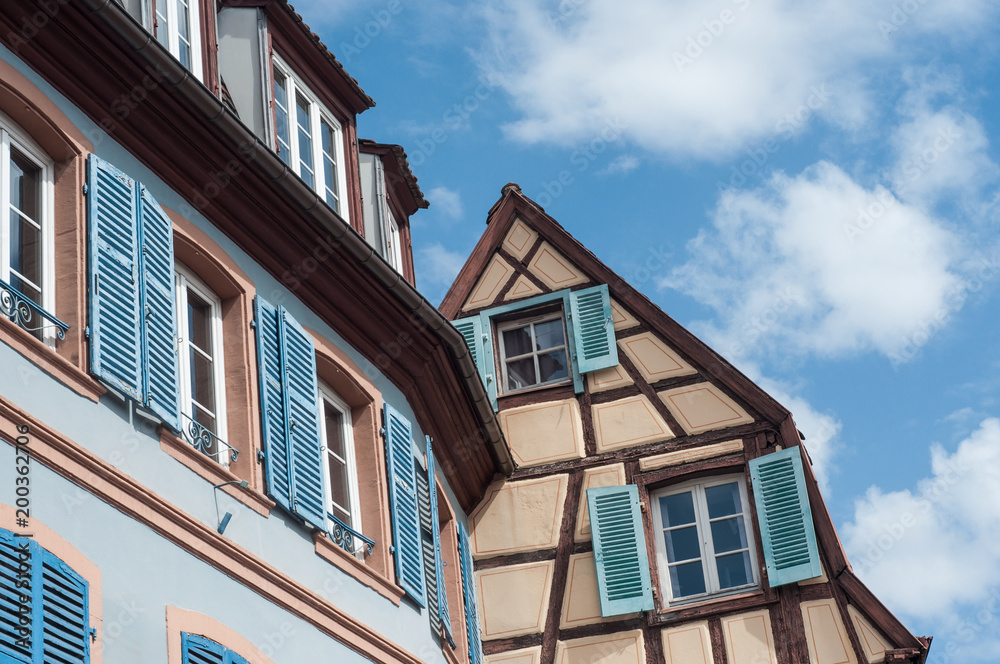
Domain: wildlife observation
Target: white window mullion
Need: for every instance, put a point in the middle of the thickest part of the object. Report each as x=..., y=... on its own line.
x=5, y=195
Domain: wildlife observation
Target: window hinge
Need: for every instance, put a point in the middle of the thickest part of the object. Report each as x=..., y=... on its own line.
x=381, y=432
x=260, y=456
x=85, y=188
x=93, y=634
x=86, y=332
x=253, y=324
x=642, y=505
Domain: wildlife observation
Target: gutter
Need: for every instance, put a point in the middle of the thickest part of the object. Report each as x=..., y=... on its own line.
x=212, y=109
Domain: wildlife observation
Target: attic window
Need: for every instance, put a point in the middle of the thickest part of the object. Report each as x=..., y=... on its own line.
x=534, y=351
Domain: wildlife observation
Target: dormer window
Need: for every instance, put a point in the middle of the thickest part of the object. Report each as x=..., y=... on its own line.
x=307, y=136
x=178, y=29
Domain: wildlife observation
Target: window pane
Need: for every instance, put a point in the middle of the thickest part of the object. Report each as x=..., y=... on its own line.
x=305, y=140
x=517, y=341
x=162, y=31
x=202, y=380
x=25, y=185
x=329, y=167
x=687, y=579
x=521, y=373
x=25, y=256
x=184, y=32
x=734, y=570
x=723, y=500
x=339, y=492
x=682, y=544
x=335, y=431
x=281, y=117
x=199, y=322
x=677, y=510
x=729, y=535
x=552, y=366
x=549, y=334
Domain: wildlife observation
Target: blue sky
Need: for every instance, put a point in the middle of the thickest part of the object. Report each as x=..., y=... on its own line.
x=813, y=188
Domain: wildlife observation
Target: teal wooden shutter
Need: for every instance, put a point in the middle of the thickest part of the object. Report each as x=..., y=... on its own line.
x=472, y=330
x=197, y=649
x=274, y=422
x=10, y=597
x=442, y=594
x=619, y=550
x=469, y=590
x=403, y=503
x=593, y=330
x=65, y=633
x=784, y=517
x=302, y=409
x=159, y=338
x=113, y=245
x=59, y=601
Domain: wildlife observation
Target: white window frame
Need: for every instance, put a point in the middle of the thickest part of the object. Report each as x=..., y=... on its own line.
x=317, y=113
x=533, y=320
x=395, y=249
x=707, y=546
x=12, y=135
x=174, y=36
x=186, y=279
x=328, y=396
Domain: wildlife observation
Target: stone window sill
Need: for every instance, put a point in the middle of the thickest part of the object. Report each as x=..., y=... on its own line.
x=333, y=553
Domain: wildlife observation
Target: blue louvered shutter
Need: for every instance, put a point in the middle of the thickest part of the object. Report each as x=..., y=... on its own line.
x=233, y=658
x=197, y=649
x=469, y=592
x=11, y=595
x=274, y=423
x=302, y=409
x=593, y=329
x=159, y=345
x=623, y=582
x=442, y=594
x=113, y=244
x=784, y=517
x=65, y=613
x=403, y=501
x=472, y=330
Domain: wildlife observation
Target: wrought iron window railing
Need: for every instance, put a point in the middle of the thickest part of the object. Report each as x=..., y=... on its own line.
x=348, y=538
x=205, y=441
x=22, y=311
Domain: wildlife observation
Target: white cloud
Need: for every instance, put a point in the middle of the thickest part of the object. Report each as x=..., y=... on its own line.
x=436, y=268
x=817, y=263
x=447, y=202
x=622, y=164
x=700, y=78
x=933, y=552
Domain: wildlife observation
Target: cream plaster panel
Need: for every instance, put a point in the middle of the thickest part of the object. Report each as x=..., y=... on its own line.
x=520, y=238
x=873, y=643
x=526, y=656
x=513, y=600
x=825, y=633
x=553, y=270
x=654, y=359
x=628, y=422
x=621, y=318
x=703, y=407
x=749, y=639
x=688, y=644
x=496, y=274
x=523, y=287
x=608, y=379
x=619, y=648
x=694, y=454
x=544, y=433
x=581, y=601
x=516, y=517
x=592, y=478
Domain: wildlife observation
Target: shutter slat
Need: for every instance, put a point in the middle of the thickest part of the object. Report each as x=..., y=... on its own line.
x=593, y=331
x=272, y=403
x=197, y=649
x=443, y=615
x=113, y=243
x=161, y=382
x=785, y=518
x=9, y=596
x=403, y=495
x=619, y=550
x=65, y=630
x=469, y=591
